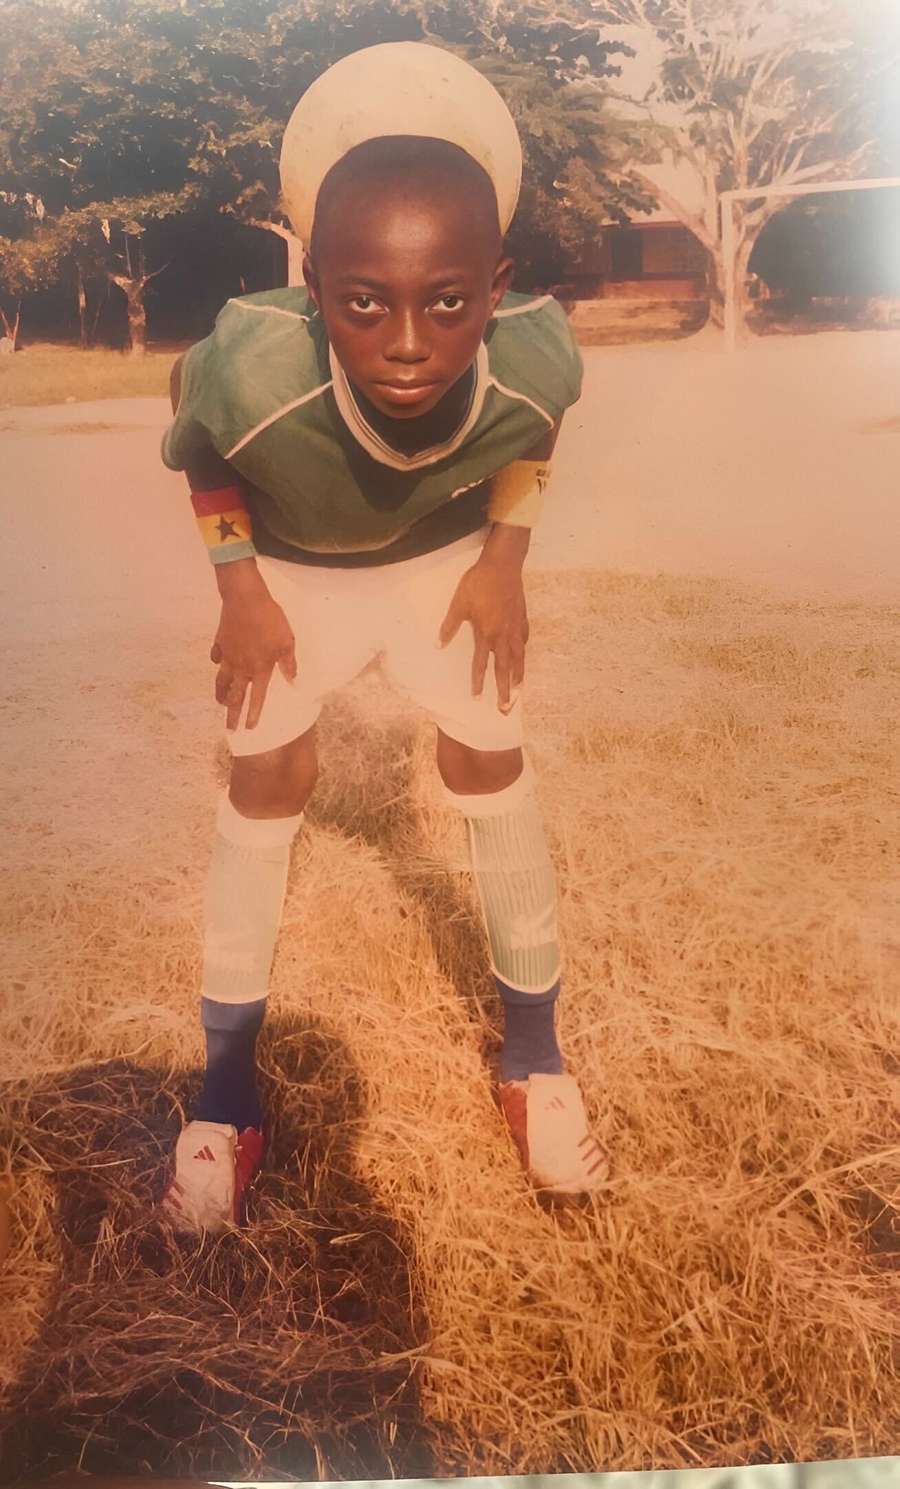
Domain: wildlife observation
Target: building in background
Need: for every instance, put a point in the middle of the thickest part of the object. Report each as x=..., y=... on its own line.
x=654, y=258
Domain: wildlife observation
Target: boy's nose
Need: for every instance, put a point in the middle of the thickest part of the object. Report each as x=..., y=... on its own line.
x=407, y=341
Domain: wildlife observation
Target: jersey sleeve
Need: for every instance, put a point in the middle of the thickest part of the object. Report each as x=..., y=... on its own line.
x=187, y=436
x=535, y=355
x=217, y=492
x=562, y=367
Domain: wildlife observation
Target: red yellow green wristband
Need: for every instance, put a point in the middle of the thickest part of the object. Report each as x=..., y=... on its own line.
x=223, y=519
x=517, y=493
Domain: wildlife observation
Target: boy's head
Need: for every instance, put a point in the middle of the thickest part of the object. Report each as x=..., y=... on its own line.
x=406, y=265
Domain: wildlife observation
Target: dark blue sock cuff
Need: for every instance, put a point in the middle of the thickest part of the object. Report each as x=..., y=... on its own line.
x=244, y=1018
x=517, y=999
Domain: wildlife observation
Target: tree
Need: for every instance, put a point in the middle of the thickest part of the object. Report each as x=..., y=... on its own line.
x=749, y=93
x=28, y=264
x=104, y=99
x=97, y=228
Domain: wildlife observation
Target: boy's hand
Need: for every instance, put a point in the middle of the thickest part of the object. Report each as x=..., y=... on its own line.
x=253, y=637
x=492, y=597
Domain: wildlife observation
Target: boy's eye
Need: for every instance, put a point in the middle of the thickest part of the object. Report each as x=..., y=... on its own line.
x=364, y=304
x=450, y=302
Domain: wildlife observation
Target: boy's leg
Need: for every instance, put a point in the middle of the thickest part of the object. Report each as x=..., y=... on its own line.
x=487, y=778
x=273, y=774
x=220, y=1150
x=256, y=825
x=517, y=889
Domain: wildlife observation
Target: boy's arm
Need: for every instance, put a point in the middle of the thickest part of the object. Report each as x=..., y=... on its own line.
x=253, y=635
x=217, y=495
x=491, y=594
x=516, y=501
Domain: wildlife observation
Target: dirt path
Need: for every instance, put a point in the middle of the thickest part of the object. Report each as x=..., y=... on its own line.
x=777, y=467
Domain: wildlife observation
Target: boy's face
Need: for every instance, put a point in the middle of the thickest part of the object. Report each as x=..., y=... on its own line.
x=406, y=290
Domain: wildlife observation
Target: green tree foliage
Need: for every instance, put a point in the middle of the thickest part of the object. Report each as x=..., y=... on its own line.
x=106, y=100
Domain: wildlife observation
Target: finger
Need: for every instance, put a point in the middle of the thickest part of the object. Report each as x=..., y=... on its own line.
x=224, y=679
x=502, y=674
x=451, y=623
x=234, y=701
x=258, y=688
x=288, y=664
x=517, y=664
x=479, y=664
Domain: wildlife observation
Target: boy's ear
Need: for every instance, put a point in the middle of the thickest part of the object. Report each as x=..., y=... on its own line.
x=502, y=279
x=311, y=279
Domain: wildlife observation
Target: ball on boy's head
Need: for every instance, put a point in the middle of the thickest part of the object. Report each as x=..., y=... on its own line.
x=399, y=88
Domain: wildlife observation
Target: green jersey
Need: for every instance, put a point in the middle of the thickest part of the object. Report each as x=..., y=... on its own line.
x=266, y=391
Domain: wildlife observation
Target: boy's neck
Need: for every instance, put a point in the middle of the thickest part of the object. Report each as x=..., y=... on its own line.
x=408, y=436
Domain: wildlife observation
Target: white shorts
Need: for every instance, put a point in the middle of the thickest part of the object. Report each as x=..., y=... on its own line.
x=342, y=618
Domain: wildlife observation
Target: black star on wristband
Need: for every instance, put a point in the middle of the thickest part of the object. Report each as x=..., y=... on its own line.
x=226, y=529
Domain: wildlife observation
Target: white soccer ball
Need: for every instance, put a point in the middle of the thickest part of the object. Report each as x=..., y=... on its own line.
x=403, y=87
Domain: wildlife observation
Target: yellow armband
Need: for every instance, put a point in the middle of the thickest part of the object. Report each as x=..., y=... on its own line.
x=517, y=493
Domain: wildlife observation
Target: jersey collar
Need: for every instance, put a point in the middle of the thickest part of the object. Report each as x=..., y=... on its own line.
x=373, y=443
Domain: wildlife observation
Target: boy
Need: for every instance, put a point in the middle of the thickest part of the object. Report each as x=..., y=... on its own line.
x=366, y=458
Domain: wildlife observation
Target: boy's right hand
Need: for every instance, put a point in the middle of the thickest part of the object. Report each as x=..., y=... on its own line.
x=253, y=638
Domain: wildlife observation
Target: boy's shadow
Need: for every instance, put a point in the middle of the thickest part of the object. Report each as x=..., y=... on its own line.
x=285, y=1350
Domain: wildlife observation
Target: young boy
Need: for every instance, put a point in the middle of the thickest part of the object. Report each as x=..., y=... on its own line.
x=366, y=458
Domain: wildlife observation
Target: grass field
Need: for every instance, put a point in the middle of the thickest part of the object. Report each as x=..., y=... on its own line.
x=718, y=772
x=44, y=372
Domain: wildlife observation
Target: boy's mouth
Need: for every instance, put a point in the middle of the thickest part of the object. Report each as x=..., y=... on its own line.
x=402, y=394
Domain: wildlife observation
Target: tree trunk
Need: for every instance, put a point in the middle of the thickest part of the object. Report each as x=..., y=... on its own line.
x=137, y=318
x=12, y=331
x=741, y=287
x=294, y=261
x=82, y=310
x=715, y=284
x=716, y=287
x=133, y=290
x=292, y=244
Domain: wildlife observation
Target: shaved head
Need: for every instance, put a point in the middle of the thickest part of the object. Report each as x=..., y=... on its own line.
x=395, y=172
x=405, y=266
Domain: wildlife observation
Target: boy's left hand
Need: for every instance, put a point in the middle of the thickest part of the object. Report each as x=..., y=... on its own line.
x=491, y=596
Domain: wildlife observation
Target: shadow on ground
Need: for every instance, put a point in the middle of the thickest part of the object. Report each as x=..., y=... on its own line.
x=271, y=1351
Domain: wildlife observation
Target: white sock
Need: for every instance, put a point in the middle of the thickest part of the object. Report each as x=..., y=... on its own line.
x=244, y=900
x=516, y=883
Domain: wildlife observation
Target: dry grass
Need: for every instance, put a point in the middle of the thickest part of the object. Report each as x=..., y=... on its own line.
x=49, y=372
x=719, y=779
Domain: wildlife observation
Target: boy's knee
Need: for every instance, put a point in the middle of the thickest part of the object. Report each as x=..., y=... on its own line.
x=275, y=783
x=471, y=772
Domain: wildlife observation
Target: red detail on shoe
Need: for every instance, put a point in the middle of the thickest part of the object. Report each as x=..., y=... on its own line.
x=248, y=1155
x=207, y=1153
x=513, y=1102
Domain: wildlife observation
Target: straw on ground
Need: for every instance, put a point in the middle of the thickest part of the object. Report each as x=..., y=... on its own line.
x=718, y=773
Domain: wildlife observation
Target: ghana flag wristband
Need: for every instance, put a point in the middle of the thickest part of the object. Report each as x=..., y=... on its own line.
x=517, y=493
x=224, y=523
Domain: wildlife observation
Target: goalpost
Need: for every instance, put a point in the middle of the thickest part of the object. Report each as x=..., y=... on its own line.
x=729, y=247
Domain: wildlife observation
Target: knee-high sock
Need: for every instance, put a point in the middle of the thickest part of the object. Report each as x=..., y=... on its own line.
x=244, y=901
x=516, y=884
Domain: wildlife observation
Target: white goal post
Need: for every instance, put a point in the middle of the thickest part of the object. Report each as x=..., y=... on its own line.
x=727, y=200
